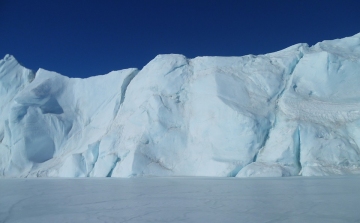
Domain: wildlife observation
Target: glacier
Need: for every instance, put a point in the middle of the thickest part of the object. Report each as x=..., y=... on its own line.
x=295, y=112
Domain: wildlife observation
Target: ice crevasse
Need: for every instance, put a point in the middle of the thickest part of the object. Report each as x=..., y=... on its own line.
x=288, y=113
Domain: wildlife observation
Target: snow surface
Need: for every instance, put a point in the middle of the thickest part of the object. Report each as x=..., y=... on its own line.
x=292, y=112
x=296, y=199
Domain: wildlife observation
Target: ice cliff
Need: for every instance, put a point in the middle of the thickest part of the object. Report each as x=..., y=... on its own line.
x=288, y=113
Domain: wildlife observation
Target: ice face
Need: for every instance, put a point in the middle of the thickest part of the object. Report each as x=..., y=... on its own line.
x=292, y=112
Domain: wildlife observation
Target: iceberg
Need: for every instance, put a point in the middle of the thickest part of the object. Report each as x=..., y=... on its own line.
x=295, y=112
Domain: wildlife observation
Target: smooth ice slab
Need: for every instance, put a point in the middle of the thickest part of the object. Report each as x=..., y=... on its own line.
x=297, y=199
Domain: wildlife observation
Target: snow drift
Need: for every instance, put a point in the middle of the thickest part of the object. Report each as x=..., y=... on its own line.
x=292, y=112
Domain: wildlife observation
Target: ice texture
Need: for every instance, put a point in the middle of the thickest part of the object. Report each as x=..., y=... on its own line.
x=287, y=113
x=332, y=199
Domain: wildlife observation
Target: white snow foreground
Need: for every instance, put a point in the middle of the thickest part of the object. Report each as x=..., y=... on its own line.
x=292, y=112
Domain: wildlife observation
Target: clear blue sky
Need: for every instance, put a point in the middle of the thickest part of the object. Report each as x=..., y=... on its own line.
x=81, y=38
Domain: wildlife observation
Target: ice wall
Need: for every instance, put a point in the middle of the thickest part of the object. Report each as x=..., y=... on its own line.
x=292, y=112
